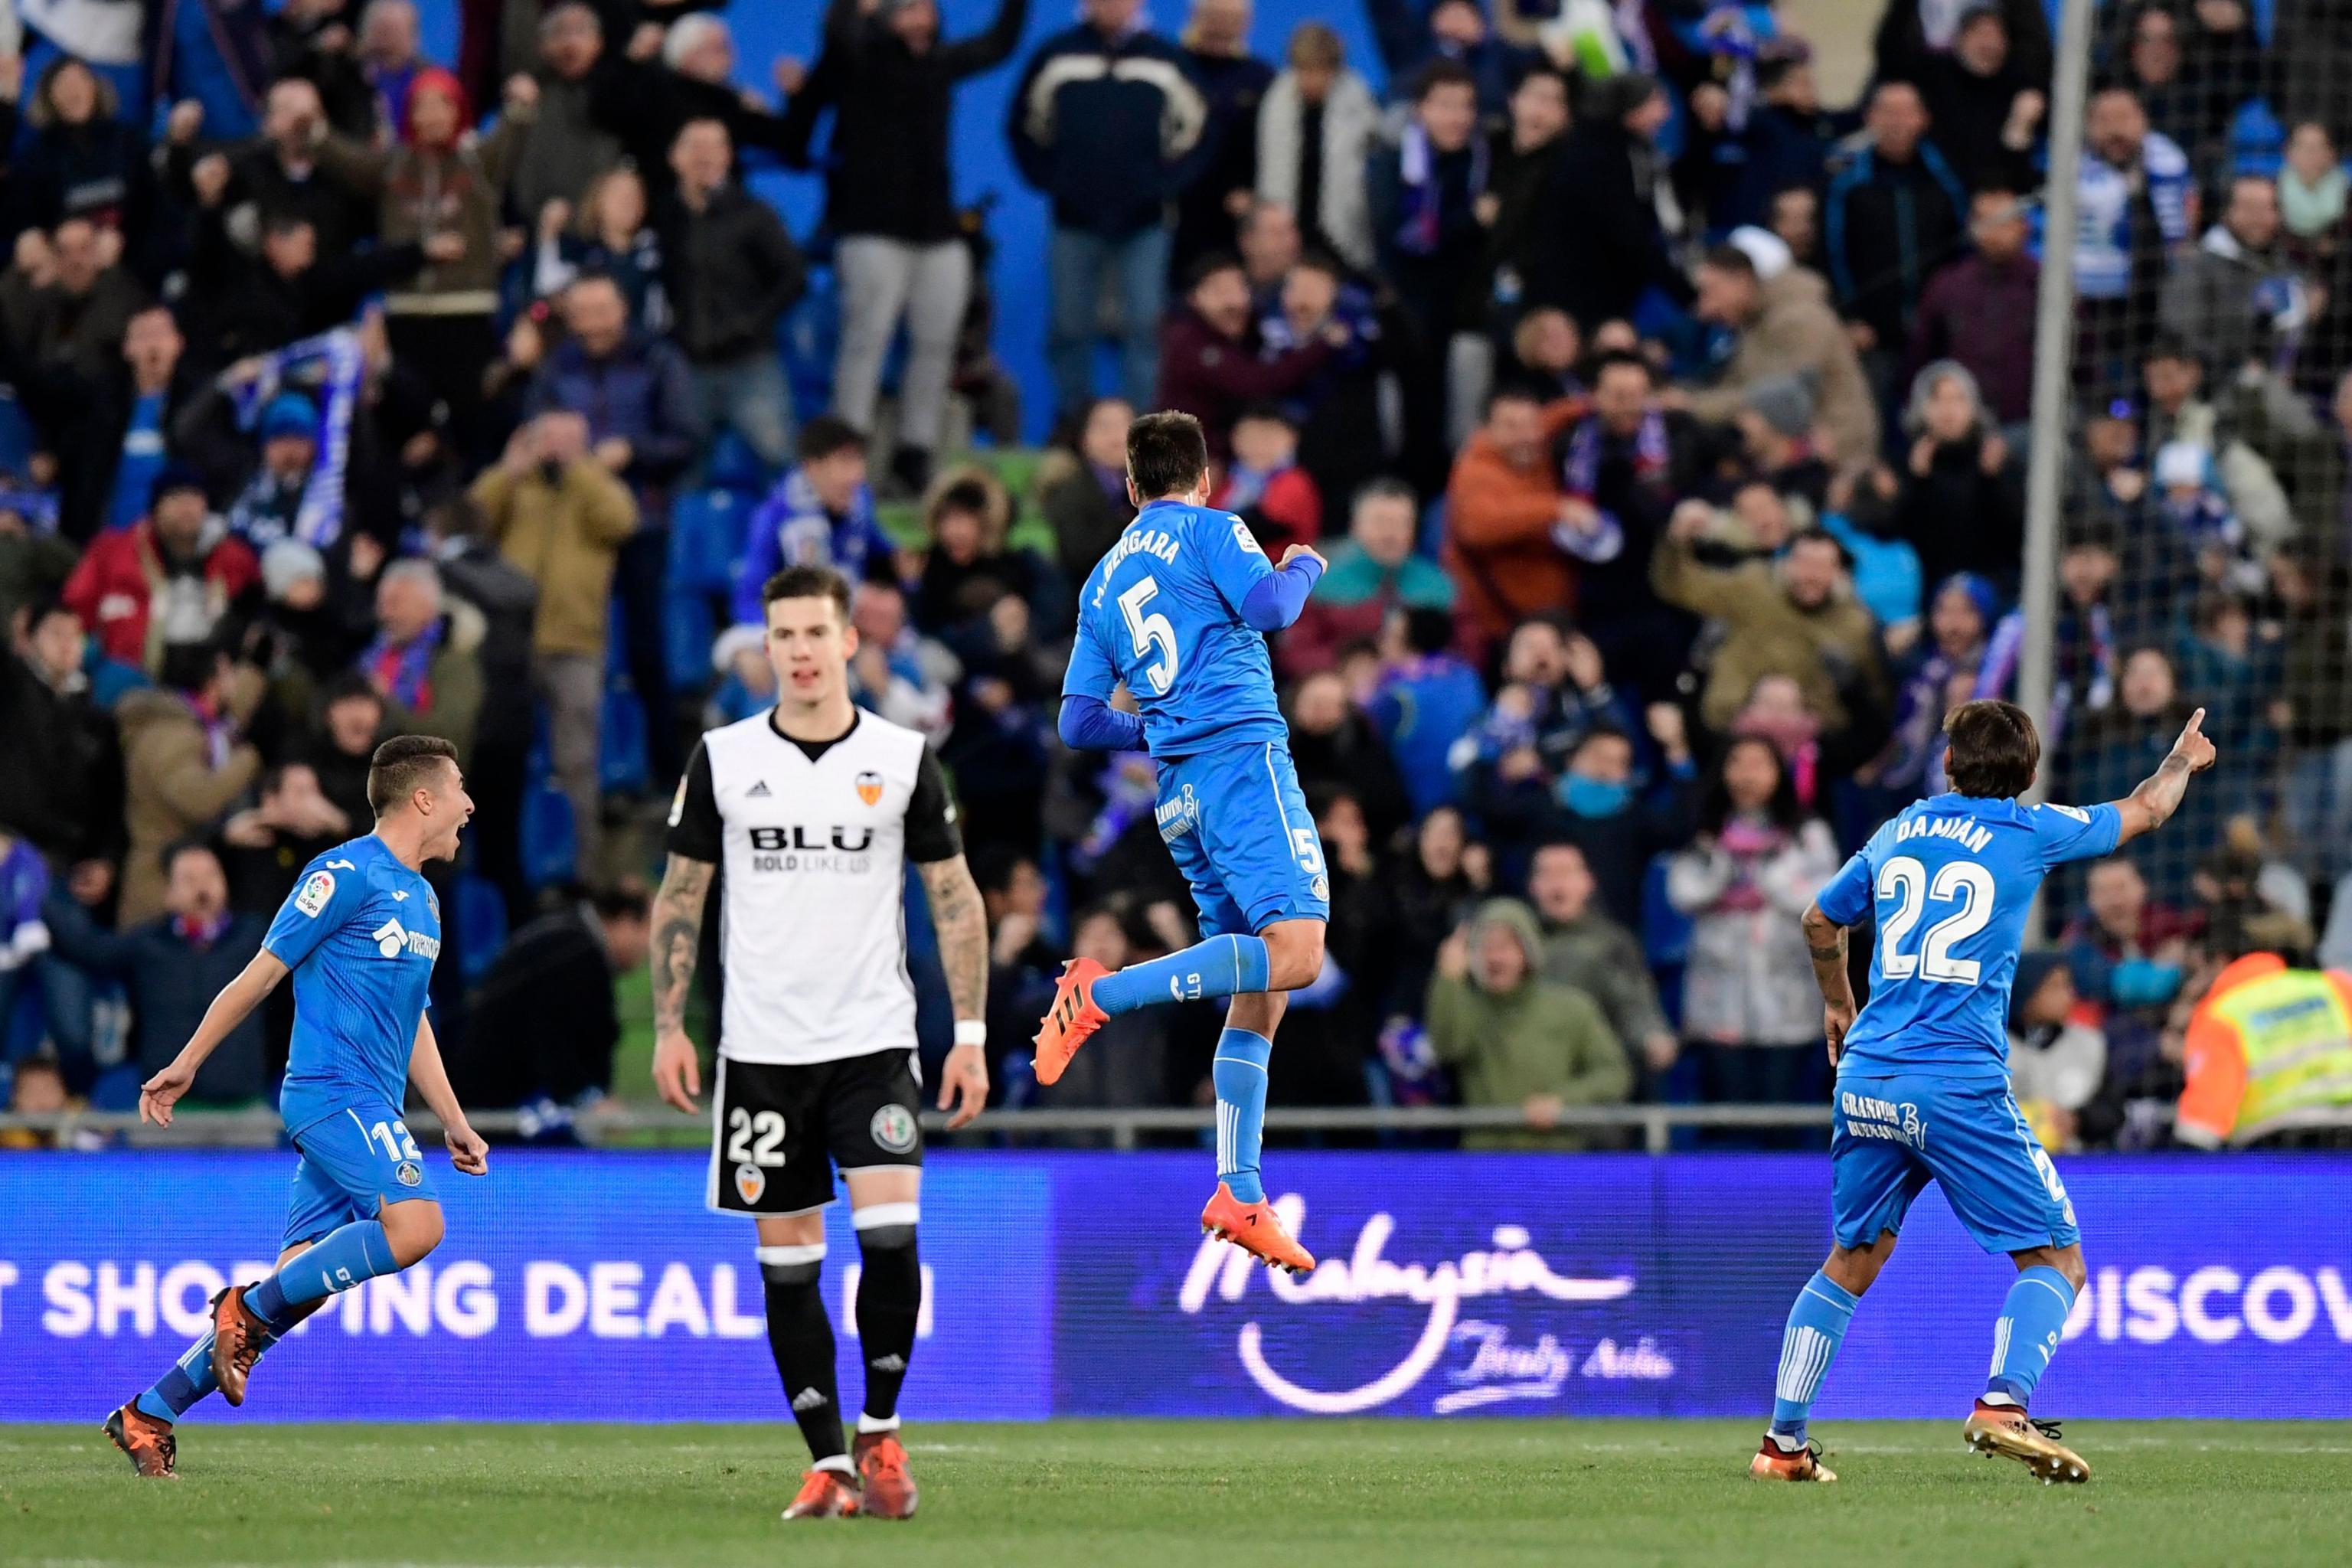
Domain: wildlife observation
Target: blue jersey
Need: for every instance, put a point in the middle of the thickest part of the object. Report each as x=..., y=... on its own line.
x=1161, y=612
x=359, y=932
x=1950, y=880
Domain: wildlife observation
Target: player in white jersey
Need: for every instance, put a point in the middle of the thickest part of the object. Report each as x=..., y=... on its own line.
x=812, y=811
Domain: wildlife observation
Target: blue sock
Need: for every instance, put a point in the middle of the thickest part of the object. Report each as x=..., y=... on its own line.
x=1239, y=1073
x=2032, y=1320
x=1221, y=966
x=190, y=1379
x=1817, y=1325
x=189, y=1382
x=359, y=1251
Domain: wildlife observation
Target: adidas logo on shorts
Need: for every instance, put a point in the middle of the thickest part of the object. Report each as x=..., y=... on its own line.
x=757, y=792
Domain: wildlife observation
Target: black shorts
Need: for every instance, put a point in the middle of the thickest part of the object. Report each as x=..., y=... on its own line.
x=778, y=1129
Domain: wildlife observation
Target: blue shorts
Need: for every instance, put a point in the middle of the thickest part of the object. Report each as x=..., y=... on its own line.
x=353, y=1163
x=1237, y=824
x=1892, y=1135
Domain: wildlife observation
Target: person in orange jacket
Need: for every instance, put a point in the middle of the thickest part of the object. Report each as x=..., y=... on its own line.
x=2267, y=1044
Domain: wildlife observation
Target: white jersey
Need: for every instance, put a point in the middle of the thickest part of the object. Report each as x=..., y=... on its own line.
x=811, y=840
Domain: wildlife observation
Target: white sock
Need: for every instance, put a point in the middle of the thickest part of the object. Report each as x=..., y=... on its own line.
x=1786, y=1444
x=2001, y=1400
x=839, y=1464
x=876, y=1424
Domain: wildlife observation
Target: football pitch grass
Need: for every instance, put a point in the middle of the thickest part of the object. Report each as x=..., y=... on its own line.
x=1183, y=1495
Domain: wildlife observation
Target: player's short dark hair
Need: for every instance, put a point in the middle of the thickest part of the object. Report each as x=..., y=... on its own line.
x=807, y=583
x=189, y=844
x=1816, y=535
x=1266, y=413
x=827, y=435
x=1995, y=748
x=1622, y=357
x=1209, y=265
x=1314, y=259
x=1428, y=631
x=1166, y=453
x=623, y=903
x=1515, y=392
x=1729, y=259
x=189, y=665
x=1441, y=72
x=346, y=687
x=1544, y=67
x=2172, y=346
x=401, y=767
x=589, y=276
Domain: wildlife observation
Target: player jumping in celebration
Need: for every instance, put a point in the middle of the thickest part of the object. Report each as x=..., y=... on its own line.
x=360, y=933
x=1923, y=1074
x=1177, y=611
x=813, y=809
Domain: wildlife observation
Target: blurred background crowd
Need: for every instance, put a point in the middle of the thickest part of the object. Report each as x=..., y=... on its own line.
x=1665, y=427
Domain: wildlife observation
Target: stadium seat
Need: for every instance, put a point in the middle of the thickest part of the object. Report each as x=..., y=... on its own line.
x=705, y=537
x=482, y=916
x=733, y=466
x=1665, y=931
x=2257, y=139
x=1432, y=541
x=688, y=628
x=551, y=846
x=621, y=766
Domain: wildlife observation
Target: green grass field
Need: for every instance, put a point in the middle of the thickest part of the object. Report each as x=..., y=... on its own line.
x=1183, y=1495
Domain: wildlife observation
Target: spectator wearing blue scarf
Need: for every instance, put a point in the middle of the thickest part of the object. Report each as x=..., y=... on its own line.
x=821, y=513
x=1429, y=225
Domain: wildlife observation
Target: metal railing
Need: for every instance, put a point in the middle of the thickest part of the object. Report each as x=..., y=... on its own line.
x=611, y=1126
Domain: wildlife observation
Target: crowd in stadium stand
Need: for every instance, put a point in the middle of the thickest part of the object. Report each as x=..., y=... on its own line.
x=1666, y=430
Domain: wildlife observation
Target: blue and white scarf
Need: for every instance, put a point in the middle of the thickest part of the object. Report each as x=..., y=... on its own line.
x=1579, y=476
x=1424, y=192
x=319, y=521
x=808, y=537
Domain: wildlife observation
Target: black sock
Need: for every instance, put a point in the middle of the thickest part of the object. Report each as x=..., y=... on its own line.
x=800, y=1339
x=889, y=1300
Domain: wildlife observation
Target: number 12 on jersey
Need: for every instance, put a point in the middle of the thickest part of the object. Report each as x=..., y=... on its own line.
x=1150, y=632
x=1962, y=882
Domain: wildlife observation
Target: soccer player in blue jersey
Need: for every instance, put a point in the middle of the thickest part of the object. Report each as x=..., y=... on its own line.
x=359, y=933
x=1923, y=1073
x=1177, y=611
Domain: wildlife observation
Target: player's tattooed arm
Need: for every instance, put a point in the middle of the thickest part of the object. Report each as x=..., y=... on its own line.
x=961, y=919
x=2159, y=795
x=1825, y=941
x=676, y=941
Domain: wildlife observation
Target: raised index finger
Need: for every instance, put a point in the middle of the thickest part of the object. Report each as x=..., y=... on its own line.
x=2195, y=720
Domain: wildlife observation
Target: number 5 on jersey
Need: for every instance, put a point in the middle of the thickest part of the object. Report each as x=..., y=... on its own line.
x=1150, y=632
x=1962, y=882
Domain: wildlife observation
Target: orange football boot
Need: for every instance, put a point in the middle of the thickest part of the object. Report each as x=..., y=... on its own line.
x=237, y=1342
x=2004, y=1431
x=882, y=1466
x=824, y=1494
x=1774, y=1463
x=1071, y=1018
x=1256, y=1229
x=149, y=1442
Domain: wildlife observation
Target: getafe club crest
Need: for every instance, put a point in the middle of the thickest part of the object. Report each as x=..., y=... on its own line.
x=869, y=787
x=409, y=1172
x=749, y=1182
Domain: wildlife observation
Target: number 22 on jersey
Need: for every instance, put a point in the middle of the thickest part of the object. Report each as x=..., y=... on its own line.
x=1963, y=885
